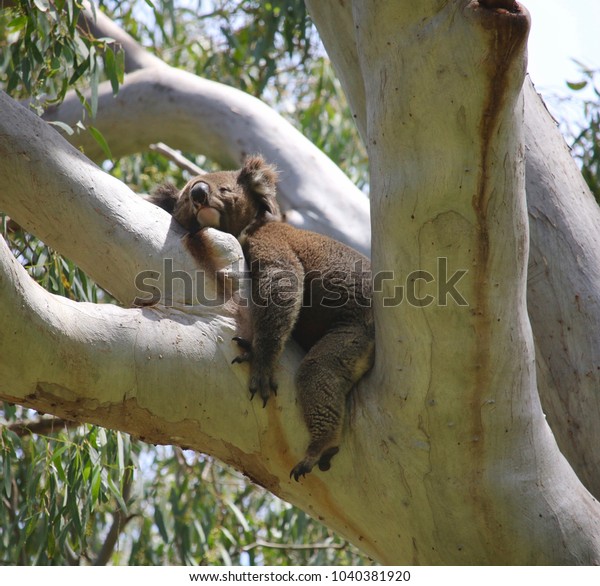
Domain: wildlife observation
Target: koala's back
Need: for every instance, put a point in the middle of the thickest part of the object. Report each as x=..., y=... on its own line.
x=336, y=279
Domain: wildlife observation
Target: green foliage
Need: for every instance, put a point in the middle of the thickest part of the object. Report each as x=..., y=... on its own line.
x=51, y=270
x=88, y=496
x=56, y=490
x=45, y=52
x=247, y=44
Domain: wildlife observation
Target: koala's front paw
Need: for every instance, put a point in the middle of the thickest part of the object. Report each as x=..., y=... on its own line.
x=262, y=382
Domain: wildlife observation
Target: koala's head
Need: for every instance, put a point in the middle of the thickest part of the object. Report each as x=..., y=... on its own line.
x=231, y=201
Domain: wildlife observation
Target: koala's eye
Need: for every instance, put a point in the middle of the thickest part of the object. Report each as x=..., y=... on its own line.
x=225, y=189
x=199, y=193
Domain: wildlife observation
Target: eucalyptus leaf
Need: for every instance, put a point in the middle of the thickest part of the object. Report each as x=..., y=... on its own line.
x=41, y=5
x=99, y=138
x=64, y=127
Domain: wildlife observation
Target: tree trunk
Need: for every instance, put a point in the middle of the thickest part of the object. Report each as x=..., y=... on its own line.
x=447, y=458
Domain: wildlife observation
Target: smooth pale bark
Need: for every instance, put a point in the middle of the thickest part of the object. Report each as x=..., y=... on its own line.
x=53, y=191
x=159, y=373
x=564, y=291
x=449, y=459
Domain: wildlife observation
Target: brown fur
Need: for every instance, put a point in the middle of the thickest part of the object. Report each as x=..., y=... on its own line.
x=304, y=285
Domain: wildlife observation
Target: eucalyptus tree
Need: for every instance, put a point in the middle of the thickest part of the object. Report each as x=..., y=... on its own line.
x=472, y=439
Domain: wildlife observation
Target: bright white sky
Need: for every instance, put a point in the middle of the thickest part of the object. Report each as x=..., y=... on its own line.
x=562, y=30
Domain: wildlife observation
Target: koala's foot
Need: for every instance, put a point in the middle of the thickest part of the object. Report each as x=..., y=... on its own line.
x=302, y=468
x=262, y=382
x=309, y=462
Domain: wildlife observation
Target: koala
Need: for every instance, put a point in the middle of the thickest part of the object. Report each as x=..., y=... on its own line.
x=304, y=285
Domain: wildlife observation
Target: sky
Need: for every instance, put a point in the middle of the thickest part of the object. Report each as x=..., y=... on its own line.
x=562, y=30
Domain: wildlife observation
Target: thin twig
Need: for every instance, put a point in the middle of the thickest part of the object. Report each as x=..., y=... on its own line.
x=120, y=520
x=177, y=158
x=293, y=546
x=42, y=426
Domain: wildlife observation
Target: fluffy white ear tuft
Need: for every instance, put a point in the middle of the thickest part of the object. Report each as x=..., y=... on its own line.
x=260, y=178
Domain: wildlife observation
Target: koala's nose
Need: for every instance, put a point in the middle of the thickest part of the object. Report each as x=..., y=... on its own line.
x=199, y=193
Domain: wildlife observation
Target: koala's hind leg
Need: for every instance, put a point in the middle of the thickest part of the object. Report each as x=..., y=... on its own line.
x=327, y=374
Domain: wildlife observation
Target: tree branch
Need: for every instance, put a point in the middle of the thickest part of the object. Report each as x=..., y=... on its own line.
x=120, y=520
x=124, y=365
x=41, y=426
x=564, y=290
x=53, y=191
x=293, y=546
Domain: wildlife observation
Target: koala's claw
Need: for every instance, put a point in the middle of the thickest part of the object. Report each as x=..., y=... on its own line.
x=305, y=466
x=265, y=385
x=253, y=392
x=300, y=469
x=245, y=345
x=261, y=379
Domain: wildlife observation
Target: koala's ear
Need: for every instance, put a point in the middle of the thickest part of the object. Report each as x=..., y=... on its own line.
x=260, y=179
x=165, y=196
